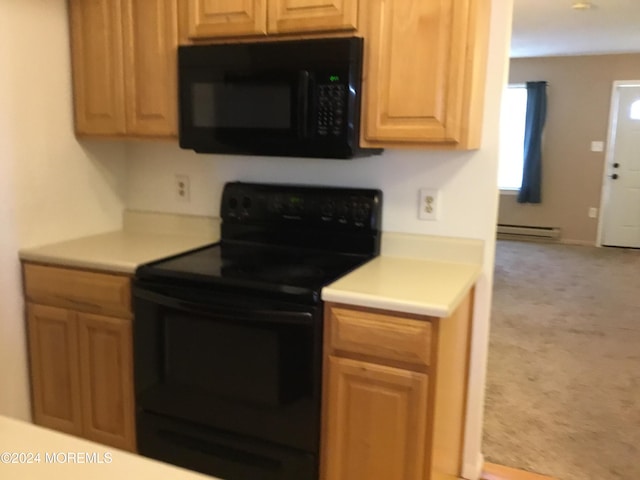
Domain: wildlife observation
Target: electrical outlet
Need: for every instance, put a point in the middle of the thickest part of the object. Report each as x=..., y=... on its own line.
x=428, y=204
x=593, y=212
x=182, y=187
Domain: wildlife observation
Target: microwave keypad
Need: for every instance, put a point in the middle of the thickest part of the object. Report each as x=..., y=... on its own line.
x=331, y=109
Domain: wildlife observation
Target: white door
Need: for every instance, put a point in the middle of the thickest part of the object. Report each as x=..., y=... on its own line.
x=621, y=188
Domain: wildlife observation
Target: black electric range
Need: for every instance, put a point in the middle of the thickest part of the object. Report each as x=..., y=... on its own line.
x=228, y=337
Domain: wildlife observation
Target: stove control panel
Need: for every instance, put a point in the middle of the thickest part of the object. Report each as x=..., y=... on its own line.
x=306, y=206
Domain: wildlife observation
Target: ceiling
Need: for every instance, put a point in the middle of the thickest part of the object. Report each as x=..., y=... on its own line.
x=552, y=27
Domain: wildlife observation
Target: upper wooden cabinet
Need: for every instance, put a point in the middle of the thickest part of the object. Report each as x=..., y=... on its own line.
x=150, y=64
x=290, y=16
x=226, y=18
x=239, y=18
x=124, y=67
x=425, y=70
x=98, y=75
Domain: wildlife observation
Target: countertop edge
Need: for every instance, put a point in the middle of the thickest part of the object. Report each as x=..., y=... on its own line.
x=107, y=266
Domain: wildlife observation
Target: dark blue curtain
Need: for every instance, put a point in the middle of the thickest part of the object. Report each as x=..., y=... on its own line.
x=532, y=168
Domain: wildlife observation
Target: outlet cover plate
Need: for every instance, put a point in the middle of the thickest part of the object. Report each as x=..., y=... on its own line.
x=428, y=204
x=182, y=188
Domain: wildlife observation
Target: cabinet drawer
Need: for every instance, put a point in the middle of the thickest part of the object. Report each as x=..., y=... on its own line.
x=379, y=335
x=78, y=290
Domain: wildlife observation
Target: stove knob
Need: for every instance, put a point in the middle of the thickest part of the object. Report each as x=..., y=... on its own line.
x=328, y=209
x=233, y=202
x=277, y=205
x=246, y=202
x=361, y=212
x=343, y=212
x=295, y=208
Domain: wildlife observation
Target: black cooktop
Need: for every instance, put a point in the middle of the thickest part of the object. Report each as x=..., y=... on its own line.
x=262, y=267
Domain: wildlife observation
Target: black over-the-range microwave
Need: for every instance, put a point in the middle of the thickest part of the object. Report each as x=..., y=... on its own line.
x=285, y=98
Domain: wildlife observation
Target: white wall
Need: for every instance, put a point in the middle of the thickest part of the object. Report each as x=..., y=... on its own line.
x=51, y=187
x=399, y=174
x=467, y=182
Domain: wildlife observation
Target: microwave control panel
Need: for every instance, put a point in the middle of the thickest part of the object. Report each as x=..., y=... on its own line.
x=332, y=108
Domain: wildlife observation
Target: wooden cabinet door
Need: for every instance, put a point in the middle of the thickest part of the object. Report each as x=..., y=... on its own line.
x=150, y=53
x=312, y=15
x=376, y=422
x=53, y=355
x=98, y=76
x=422, y=76
x=106, y=372
x=227, y=18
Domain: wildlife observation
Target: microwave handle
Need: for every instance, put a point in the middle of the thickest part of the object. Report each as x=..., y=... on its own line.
x=303, y=103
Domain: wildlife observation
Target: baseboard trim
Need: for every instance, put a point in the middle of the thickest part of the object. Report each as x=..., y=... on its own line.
x=552, y=233
x=473, y=470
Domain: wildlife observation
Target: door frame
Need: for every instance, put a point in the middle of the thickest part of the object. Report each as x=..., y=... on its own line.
x=608, y=158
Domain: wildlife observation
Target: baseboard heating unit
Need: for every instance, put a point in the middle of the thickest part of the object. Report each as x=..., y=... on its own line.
x=530, y=232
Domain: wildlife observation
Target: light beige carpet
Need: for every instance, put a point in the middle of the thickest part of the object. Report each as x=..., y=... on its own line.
x=563, y=393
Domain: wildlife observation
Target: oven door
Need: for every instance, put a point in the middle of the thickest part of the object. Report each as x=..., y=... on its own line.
x=231, y=363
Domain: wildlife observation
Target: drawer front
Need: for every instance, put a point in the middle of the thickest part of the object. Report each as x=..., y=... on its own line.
x=79, y=290
x=379, y=335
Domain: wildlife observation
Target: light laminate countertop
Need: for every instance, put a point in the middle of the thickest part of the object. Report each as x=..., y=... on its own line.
x=420, y=274
x=64, y=457
x=145, y=237
x=416, y=274
x=408, y=285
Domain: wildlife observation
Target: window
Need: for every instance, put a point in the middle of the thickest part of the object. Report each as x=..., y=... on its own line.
x=635, y=110
x=512, y=123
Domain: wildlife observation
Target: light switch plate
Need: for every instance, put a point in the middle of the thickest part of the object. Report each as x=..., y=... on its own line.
x=597, y=146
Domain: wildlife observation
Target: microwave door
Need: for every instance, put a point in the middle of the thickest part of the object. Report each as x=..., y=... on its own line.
x=244, y=112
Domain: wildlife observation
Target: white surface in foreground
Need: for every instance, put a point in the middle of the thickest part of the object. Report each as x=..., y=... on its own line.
x=20, y=437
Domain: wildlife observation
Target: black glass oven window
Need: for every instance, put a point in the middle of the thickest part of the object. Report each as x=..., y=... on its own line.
x=257, y=363
x=242, y=105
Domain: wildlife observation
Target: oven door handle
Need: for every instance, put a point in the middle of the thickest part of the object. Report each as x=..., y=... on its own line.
x=246, y=312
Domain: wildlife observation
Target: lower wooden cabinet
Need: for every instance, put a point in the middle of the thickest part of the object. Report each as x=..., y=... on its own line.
x=105, y=347
x=378, y=421
x=55, y=377
x=81, y=363
x=394, y=394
